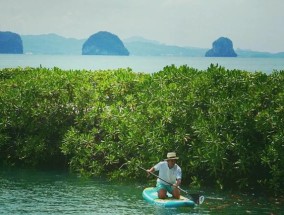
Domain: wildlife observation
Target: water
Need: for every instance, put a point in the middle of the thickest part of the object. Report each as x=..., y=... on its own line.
x=137, y=63
x=57, y=192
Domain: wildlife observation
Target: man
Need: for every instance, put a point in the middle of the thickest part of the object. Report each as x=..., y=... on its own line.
x=169, y=172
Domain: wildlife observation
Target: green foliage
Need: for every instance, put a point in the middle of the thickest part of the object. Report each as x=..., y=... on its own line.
x=225, y=125
x=36, y=111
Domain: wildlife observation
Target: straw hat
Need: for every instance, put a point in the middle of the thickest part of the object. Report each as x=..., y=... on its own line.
x=171, y=156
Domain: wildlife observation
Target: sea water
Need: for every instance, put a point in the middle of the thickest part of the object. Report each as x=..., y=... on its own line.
x=148, y=64
x=59, y=192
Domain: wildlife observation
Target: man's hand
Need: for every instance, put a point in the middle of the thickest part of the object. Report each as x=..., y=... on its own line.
x=149, y=171
x=178, y=182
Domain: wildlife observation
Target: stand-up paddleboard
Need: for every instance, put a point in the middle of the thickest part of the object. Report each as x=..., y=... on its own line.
x=150, y=194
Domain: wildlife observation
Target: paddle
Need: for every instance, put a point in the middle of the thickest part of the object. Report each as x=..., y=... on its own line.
x=198, y=199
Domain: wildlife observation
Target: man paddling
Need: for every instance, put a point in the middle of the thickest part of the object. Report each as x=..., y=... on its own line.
x=169, y=176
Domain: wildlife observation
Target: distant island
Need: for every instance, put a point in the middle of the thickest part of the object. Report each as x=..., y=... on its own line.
x=137, y=46
x=104, y=43
x=222, y=47
x=51, y=44
x=10, y=43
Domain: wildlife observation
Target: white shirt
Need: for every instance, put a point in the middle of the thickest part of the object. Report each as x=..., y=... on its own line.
x=167, y=174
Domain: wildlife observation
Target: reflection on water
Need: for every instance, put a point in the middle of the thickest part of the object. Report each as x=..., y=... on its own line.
x=37, y=192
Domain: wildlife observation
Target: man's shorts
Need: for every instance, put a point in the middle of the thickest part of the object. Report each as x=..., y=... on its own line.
x=166, y=187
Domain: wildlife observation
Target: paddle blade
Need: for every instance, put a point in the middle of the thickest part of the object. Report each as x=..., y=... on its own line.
x=201, y=199
x=197, y=198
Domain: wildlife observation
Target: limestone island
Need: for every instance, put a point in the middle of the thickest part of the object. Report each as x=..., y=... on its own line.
x=222, y=47
x=10, y=43
x=104, y=43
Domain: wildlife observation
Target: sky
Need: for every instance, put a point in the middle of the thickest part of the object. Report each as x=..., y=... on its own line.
x=251, y=24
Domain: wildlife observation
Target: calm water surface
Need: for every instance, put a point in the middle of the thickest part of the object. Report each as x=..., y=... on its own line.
x=49, y=192
x=137, y=63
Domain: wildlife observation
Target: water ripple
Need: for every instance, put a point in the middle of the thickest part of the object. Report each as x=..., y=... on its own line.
x=32, y=192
